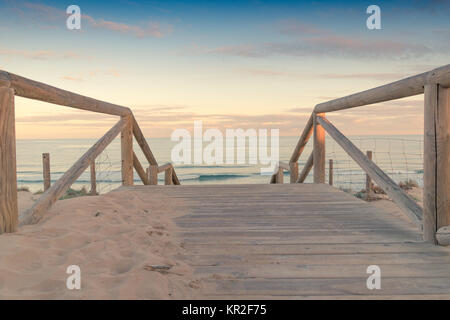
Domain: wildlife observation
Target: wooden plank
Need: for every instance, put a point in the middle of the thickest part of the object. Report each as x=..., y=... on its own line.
x=430, y=164
x=40, y=207
x=306, y=169
x=368, y=180
x=284, y=165
x=140, y=139
x=293, y=172
x=443, y=236
x=304, y=138
x=8, y=177
x=164, y=167
x=279, y=176
x=140, y=170
x=328, y=286
x=443, y=158
x=27, y=88
x=153, y=174
x=341, y=271
x=400, y=89
x=46, y=170
x=319, y=151
x=126, y=144
x=382, y=179
x=330, y=172
x=175, y=179
x=93, y=190
x=168, y=176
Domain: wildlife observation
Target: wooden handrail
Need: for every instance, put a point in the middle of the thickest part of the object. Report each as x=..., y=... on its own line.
x=304, y=138
x=396, y=90
x=278, y=176
x=36, y=212
x=140, y=170
x=378, y=175
x=31, y=89
x=306, y=169
x=170, y=176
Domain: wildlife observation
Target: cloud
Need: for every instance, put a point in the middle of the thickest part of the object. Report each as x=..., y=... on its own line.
x=39, y=54
x=374, y=76
x=149, y=29
x=293, y=27
x=92, y=74
x=48, y=16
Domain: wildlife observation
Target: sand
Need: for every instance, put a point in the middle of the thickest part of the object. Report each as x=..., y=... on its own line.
x=123, y=244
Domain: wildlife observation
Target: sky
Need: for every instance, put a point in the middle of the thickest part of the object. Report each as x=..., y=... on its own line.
x=233, y=64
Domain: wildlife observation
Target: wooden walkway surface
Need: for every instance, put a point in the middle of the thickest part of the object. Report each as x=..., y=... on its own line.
x=294, y=241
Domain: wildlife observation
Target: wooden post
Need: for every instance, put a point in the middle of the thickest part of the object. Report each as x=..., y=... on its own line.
x=93, y=190
x=319, y=150
x=9, y=215
x=280, y=176
x=153, y=174
x=46, y=170
x=368, y=179
x=330, y=172
x=293, y=172
x=127, y=152
x=436, y=173
x=168, y=176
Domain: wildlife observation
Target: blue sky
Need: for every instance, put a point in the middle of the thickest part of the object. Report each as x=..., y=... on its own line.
x=255, y=63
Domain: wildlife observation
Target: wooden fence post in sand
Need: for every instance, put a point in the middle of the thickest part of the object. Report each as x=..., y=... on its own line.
x=168, y=176
x=319, y=150
x=127, y=152
x=153, y=174
x=93, y=190
x=293, y=170
x=9, y=216
x=330, y=172
x=280, y=176
x=436, y=173
x=46, y=170
x=369, y=185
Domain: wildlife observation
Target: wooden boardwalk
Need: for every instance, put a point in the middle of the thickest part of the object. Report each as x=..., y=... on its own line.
x=295, y=241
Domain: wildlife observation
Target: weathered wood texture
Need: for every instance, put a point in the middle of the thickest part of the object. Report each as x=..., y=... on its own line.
x=293, y=172
x=330, y=172
x=368, y=180
x=168, y=176
x=279, y=177
x=127, y=152
x=39, y=91
x=304, y=138
x=140, y=139
x=430, y=164
x=382, y=179
x=46, y=170
x=37, y=211
x=306, y=169
x=153, y=174
x=443, y=158
x=299, y=241
x=443, y=236
x=93, y=190
x=140, y=170
x=319, y=151
x=400, y=89
x=436, y=160
x=8, y=176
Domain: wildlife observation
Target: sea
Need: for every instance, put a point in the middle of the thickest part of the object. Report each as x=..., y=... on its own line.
x=400, y=156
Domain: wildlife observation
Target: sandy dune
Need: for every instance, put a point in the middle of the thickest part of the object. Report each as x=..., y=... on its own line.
x=119, y=240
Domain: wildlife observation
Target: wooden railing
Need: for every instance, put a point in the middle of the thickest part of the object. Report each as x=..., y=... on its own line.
x=12, y=85
x=434, y=219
